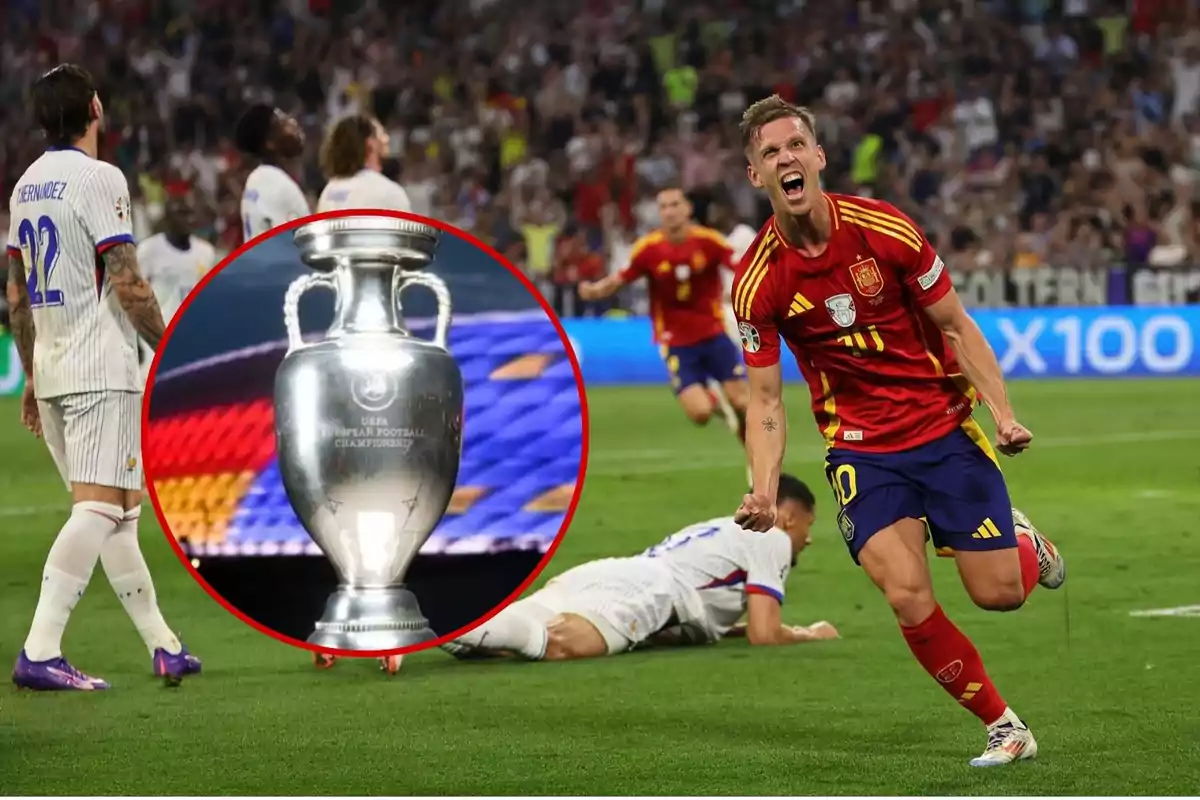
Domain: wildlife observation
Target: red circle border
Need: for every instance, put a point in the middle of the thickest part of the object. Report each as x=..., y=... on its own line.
x=529, y=286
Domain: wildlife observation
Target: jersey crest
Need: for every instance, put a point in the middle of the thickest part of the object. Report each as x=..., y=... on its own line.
x=841, y=308
x=868, y=280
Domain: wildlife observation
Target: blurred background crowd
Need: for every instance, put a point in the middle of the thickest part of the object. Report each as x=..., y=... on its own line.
x=1020, y=133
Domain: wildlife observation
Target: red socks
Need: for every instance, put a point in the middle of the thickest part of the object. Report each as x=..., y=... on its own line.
x=1029, y=564
x=948, y=655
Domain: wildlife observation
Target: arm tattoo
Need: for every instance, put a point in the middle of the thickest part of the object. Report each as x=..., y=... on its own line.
x=134, y=293
x=769, y=425
x=20, y=315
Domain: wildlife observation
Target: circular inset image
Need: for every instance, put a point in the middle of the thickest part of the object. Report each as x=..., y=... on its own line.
x=364, y=433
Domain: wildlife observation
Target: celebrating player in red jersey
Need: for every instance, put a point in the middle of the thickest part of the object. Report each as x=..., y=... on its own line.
x=868, y=309
x=683, y=264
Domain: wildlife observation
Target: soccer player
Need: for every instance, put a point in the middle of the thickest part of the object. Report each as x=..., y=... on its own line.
x=682, y=263
x=352, y=160
x=271, y=197
x=868, y=309
x=692, y=588
x=78, y=304
x=174, y=261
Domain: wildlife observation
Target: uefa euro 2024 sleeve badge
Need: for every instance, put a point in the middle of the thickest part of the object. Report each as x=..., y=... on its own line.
x=750, y=338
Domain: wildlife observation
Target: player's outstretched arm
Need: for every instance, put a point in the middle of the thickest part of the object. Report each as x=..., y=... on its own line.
x=20, y=315
x=590, y=291
x=134, y=292
x=981, y=367
x=766, y=429
x=764, y=627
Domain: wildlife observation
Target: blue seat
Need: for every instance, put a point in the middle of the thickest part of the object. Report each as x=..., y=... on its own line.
x=505, y=473
x=535, y=392
x=533, y=424
x=562, y=470
x=523, y=524
x=552, y=345
x=559, y=370
x=483, y=394
x=475, y=370
x=549, y=526
x=516, y=346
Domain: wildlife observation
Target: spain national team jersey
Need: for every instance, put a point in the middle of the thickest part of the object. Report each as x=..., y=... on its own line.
x=880, y=372
x=684, y=283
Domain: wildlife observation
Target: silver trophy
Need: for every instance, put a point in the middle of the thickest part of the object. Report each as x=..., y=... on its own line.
x=368, y=424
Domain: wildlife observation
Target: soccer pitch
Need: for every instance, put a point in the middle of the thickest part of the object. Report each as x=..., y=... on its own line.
x=1113, y=479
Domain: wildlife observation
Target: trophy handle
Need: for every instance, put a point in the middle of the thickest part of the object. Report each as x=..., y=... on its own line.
x=438, y=287
x=291, y=304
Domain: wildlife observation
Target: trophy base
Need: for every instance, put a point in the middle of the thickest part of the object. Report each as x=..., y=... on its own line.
x=372, y=619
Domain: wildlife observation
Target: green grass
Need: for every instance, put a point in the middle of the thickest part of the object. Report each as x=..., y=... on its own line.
x=1114, y=478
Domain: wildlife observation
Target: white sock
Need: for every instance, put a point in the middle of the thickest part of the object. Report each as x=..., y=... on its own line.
x=67, y=573
x=130, y=578
x=512, y=631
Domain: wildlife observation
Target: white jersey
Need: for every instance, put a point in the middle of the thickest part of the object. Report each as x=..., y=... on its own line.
x=740, y=239
x=717, y=564
x=66, y=210
x=269, y=199
x=365, y=189
x=172, y=272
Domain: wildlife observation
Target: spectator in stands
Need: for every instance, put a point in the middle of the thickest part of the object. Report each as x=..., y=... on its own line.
x=1066, y=131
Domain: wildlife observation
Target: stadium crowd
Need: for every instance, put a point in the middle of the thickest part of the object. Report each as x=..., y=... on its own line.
x=1018, y=132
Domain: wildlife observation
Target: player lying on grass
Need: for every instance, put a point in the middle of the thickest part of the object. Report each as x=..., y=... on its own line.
x=893, y=363
x=692, y=588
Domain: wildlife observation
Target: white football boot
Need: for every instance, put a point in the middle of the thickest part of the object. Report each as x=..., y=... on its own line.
x=1052, y=570
x=1009, y=740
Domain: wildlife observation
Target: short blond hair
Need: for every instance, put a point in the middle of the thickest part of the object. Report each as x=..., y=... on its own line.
x=768, y=110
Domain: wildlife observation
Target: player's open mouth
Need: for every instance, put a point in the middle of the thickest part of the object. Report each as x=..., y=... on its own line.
x=793, y=185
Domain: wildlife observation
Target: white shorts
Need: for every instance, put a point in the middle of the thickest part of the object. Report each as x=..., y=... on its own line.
x=627, y=599
x=95, y=437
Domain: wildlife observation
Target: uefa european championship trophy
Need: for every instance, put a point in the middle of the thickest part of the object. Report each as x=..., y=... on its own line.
x=368, y=424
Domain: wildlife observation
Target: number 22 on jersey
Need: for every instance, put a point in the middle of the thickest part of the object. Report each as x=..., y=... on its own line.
x=39, y=245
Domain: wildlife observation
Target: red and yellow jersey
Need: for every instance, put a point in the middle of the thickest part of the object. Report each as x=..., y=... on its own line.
x=881, y=374
x=686, y=294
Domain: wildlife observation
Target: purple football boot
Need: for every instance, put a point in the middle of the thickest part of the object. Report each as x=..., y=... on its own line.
x=53, y=675
x=174, y=666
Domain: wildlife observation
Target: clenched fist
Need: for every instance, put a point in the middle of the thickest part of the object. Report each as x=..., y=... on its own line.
x=1012, y=437
x=756, y=513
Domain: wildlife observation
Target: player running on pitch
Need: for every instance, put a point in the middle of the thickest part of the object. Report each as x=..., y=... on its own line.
x=271, y=197
x=866, y=306
x=682, y=263
x=692, y=588
x=78, y=304
x=352, y=160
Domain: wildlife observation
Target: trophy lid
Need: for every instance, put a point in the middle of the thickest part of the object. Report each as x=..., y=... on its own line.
x=366, y=242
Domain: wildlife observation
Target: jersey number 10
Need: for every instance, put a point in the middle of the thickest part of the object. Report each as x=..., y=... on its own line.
x=40, y=246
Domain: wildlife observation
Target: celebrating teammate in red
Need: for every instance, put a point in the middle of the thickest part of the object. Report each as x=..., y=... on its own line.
x=683, y=262
x=868, y=309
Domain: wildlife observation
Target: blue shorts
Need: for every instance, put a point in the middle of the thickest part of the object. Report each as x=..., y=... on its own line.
x=717, y=358
x=953, y=483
